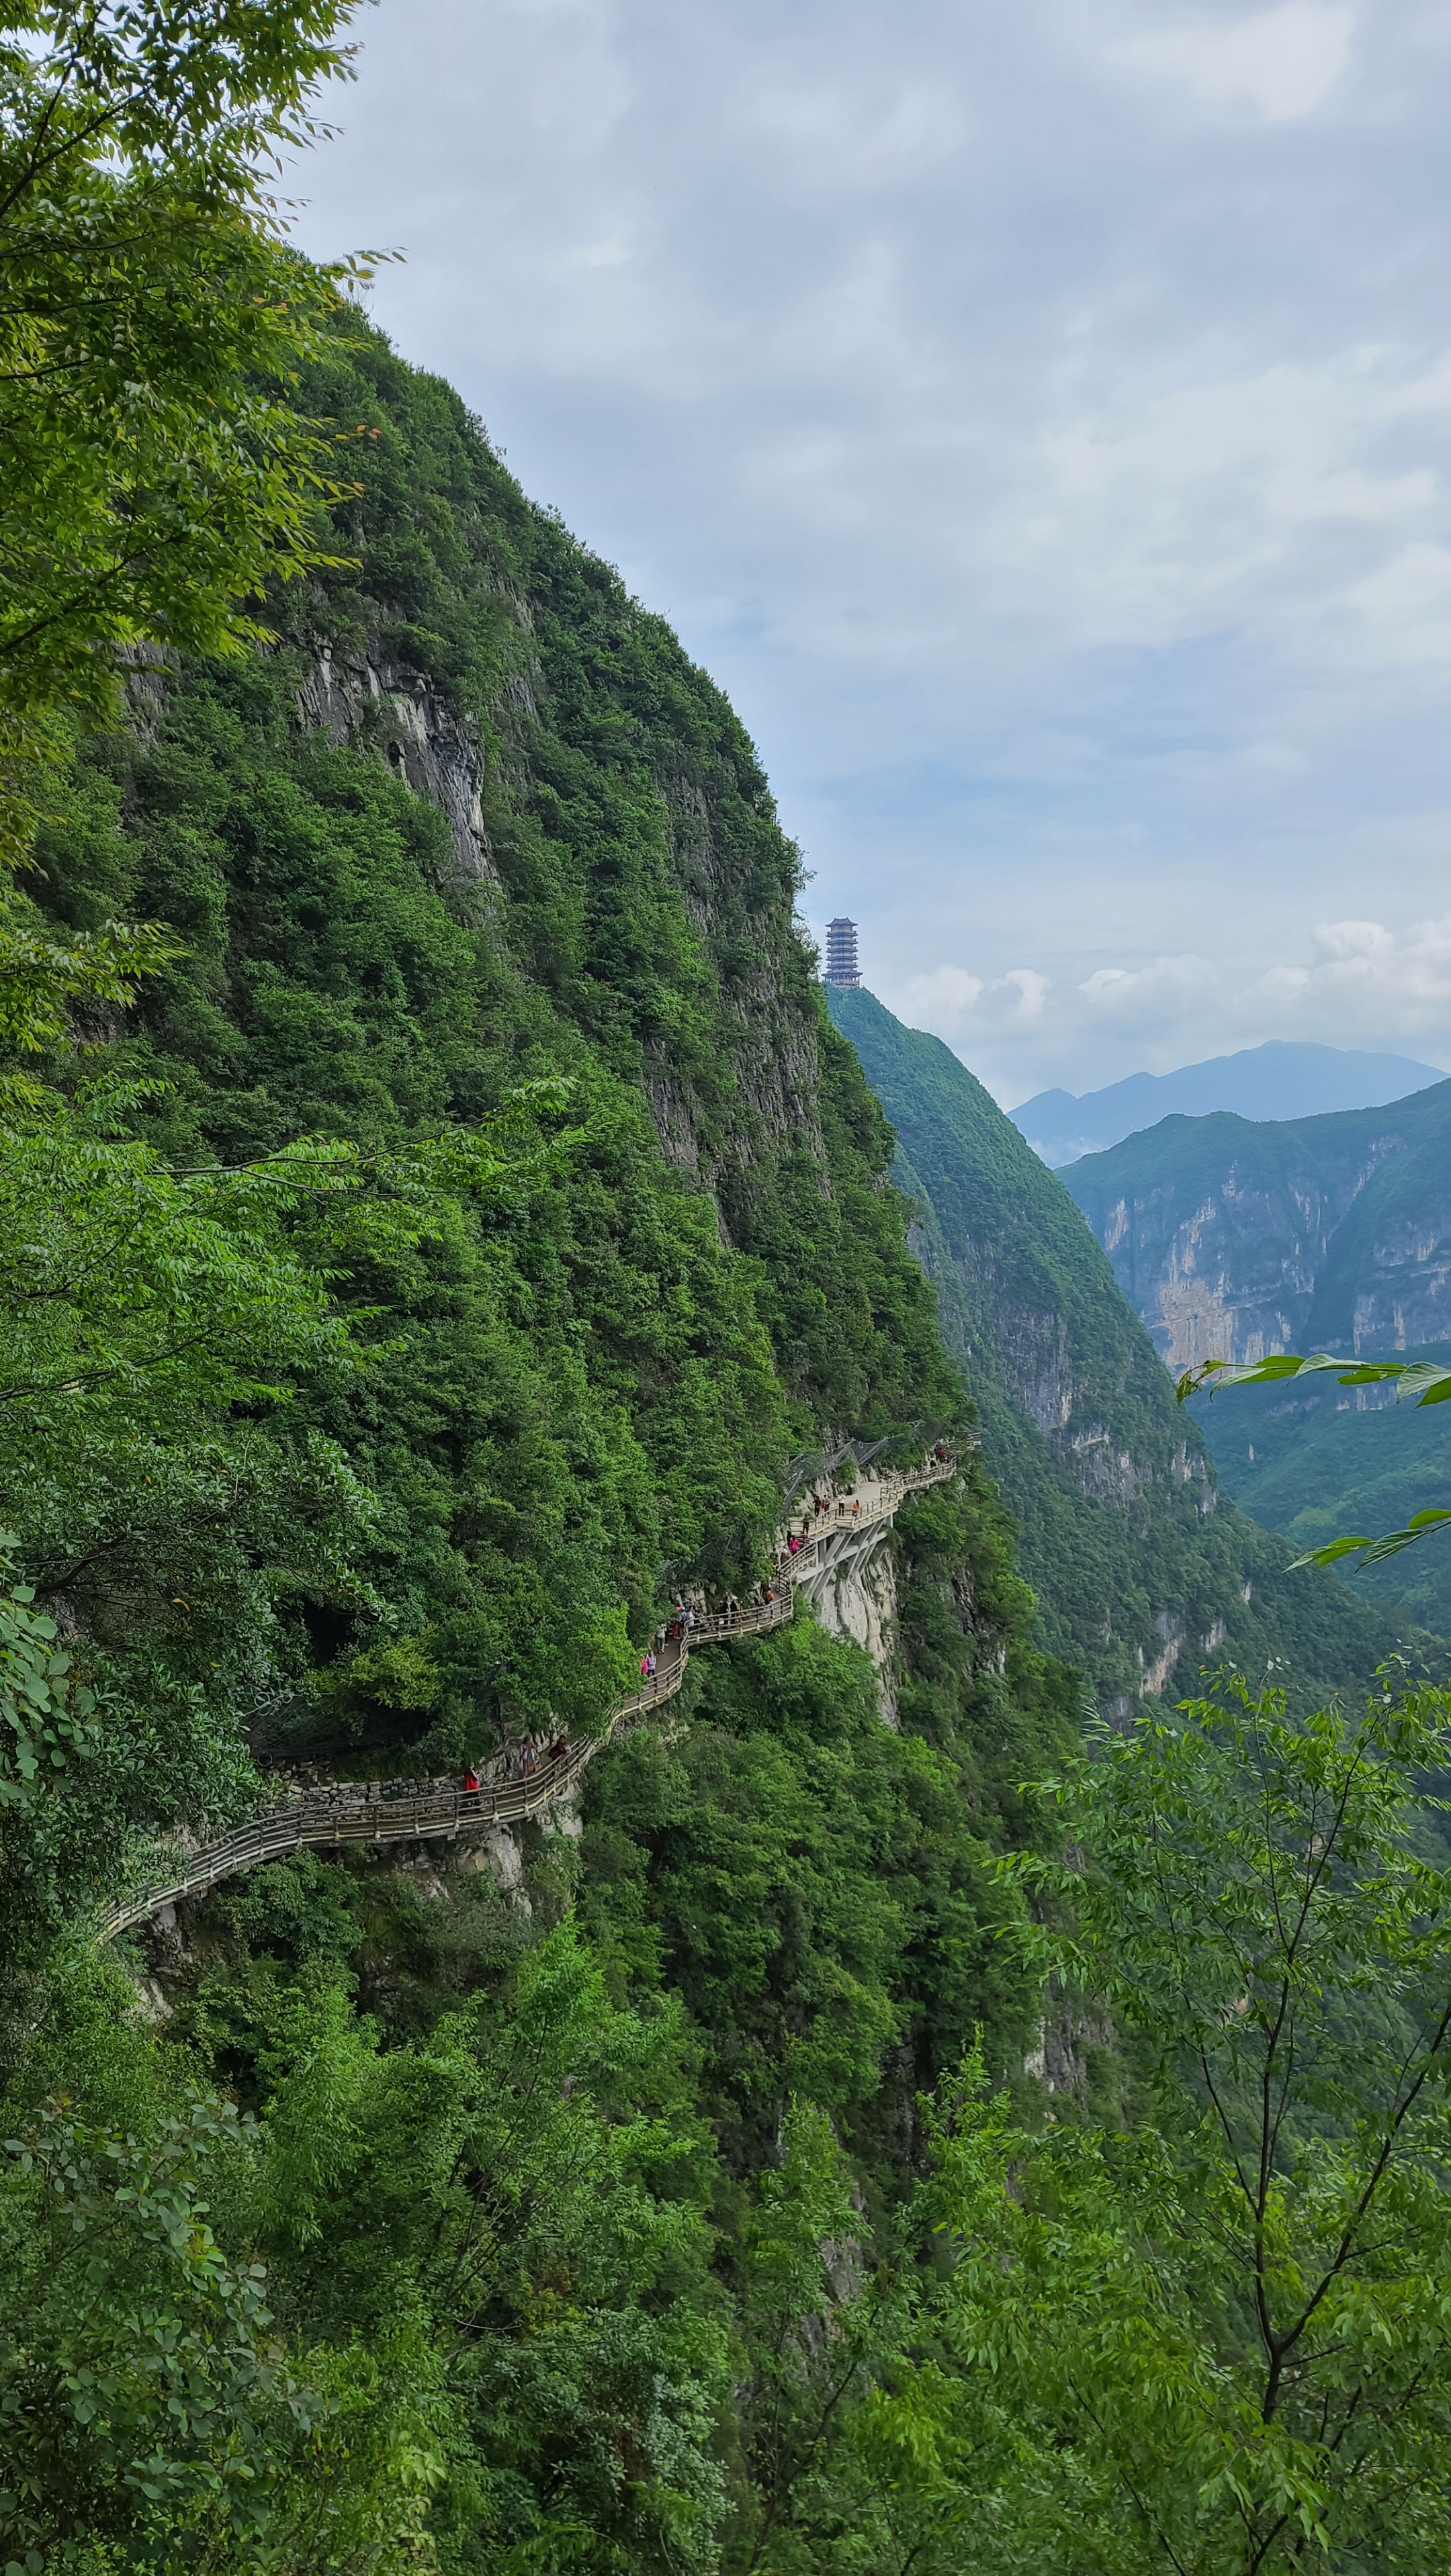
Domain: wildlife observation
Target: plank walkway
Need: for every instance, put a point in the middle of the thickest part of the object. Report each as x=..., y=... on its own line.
x=363, y=1812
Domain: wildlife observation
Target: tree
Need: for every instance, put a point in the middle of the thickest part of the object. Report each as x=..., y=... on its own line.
x=153, y=317
x=1221, y=2341
x=148, y=2403
x=1418, y=1381
x=155, y=472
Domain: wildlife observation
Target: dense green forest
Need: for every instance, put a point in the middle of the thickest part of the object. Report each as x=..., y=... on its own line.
x=871, y=2130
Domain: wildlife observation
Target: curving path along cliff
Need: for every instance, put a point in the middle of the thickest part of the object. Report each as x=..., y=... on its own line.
x=349, y=1811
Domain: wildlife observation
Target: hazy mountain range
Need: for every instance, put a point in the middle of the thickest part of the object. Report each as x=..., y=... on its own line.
x=1277, y=1080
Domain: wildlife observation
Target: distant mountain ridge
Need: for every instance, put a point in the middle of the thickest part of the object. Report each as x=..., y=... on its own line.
x=1142, y=1570
x=1281, y=1079
x=1317, y=1459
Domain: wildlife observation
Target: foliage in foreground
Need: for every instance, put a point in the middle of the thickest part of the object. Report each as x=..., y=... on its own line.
x=155, y=470
x=1225, y=2337
x=1423, y=1381
x=472, y=2270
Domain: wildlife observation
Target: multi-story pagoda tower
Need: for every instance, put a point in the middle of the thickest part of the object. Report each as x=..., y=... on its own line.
x=841, y=965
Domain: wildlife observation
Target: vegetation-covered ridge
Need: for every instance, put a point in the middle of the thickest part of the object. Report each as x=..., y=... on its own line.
x=1144, y=1574
x=1234, y=1237
x=512, y=1228
x=579, y=1401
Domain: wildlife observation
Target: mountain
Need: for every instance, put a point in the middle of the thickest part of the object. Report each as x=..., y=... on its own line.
x=1278, y=1080
x=473, y=822
x=1233, y=1238
x=1142, y=1569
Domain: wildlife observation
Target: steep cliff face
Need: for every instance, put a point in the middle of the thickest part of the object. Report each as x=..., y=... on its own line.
x=1233, y=1238
x=1143, y=1571
x=474, y=819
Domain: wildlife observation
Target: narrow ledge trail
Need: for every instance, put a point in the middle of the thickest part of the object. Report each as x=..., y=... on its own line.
x=347, y=1811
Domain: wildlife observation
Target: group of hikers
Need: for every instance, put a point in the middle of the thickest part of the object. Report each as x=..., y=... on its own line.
x=521, y=1760
x=675, y=1630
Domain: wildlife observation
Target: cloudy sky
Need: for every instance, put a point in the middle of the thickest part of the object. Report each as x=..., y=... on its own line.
x=1037, y=415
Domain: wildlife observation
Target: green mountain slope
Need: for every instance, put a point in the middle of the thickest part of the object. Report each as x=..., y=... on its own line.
x=1233, y=1238
x=555, y=2148
x=1142, y=1570
x=475, y=819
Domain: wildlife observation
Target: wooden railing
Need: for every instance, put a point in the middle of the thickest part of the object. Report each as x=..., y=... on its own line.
x=352, y=1812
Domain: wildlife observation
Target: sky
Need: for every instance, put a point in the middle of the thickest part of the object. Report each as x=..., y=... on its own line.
x=1036, y=414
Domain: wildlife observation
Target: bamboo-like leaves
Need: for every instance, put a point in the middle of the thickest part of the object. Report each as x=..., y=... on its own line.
x=1416, y=1382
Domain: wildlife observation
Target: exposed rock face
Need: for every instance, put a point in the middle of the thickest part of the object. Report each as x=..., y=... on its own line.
x=423, y=742
x=1234, y=1239
x=771, y=1036
x=855, y=1597
x=499, y=1855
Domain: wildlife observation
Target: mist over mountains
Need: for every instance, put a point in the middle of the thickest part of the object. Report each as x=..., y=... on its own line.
x=1281, y=1079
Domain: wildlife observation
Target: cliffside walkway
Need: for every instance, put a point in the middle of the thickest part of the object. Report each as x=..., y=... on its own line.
x=355, y=1811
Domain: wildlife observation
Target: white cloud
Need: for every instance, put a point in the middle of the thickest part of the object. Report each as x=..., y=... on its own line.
x=1282, y=62
x=945, y=999
x=1406, y=605
x=1365, y=966
x=1362, y=984
x=1143, y=993
x=1283, y=499
x=951, y=1002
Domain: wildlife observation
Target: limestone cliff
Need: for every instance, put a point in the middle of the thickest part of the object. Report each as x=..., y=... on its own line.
x=1234, y=1238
